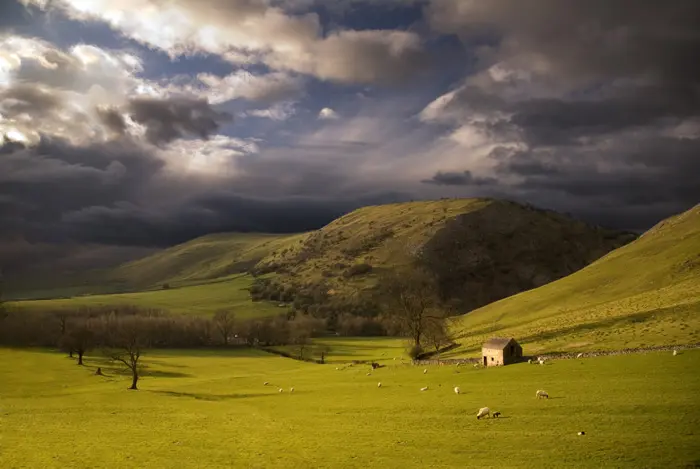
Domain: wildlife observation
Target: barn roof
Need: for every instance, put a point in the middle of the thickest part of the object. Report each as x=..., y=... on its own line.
x=497, y=342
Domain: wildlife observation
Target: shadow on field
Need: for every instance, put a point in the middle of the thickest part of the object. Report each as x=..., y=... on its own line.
x=210, y=397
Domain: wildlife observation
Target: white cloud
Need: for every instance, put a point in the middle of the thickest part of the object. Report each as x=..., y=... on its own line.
x=327, y=114
x=278, y=112
x=215, y=157
x=253, y=31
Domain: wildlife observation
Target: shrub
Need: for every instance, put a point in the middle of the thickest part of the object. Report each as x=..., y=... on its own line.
x=358, y=269
x=415, y=351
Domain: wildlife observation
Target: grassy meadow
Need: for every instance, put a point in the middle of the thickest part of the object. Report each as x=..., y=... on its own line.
x=225, y=293
x=211, y=409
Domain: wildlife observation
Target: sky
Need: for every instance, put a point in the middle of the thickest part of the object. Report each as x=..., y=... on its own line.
x=146, y=123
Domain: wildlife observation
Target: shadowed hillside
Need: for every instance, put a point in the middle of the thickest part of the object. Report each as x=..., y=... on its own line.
x=645, y=293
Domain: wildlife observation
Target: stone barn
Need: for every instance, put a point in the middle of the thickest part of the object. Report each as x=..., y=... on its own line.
x=501, y=351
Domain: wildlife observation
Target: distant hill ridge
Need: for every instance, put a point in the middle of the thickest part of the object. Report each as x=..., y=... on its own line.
x=482, y=250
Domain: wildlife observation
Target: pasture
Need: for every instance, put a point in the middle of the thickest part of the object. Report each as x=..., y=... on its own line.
x=226, y=293
x=211, y=409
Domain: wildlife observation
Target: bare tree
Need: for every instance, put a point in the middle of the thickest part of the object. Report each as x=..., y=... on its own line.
x=126, y=340
x=301, y=339
x=410, y=297
x=436, y=335
x=224, y=323
x=81, y=338
x=324, y=350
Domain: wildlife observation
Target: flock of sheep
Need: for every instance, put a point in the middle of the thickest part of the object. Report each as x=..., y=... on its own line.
x=484, y=411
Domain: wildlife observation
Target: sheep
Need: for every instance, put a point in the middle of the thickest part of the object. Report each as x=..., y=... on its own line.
x=291, y=389
x=457, y=390
x=281, y=390
x=425, y=371
x=675, y=352
x=369, y=374
x=266, y=383
x=379, y=385
x=541, y=362
x=581, y=433
x=529, y=360
x=337, y=368
x=476, y=365
x=540, y=394
x=424, y=389
x=496, y=414
x=483, y=412
x=579, y=355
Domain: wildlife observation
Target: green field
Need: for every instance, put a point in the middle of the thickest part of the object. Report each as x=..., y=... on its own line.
x=645, y=293
x=211, y=409
x=226, y=293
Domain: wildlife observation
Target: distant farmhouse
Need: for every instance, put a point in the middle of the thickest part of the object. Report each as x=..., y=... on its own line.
x=501, y=351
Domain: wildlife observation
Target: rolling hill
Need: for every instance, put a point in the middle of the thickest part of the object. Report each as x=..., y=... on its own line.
x=645, y=293
x=481, y=249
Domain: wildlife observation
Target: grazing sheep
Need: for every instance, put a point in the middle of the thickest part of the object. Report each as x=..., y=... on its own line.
x=581, y=433
x=496, y=414
x=483, y=412
x=281, y=390
x=425, y=371
x=266, y=383
x=541, y=394
x=424, y=389
x=291, y=389
x=476, y=365
x=379, y=385
x=541, y=362
x=579, y=355
x=457, y=390
x=675, y=352
x=369, y=374
x=529, y=360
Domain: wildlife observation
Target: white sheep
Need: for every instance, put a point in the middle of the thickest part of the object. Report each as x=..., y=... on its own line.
x=379, y=385
x=541, y=394
x=424, y=389
x=675, y=352
x=529, y=360
x=425, y=371
x=266, y=383
x=581, y=433
x=281, y=390
x=541, y=362
x=483, y=412
x=369, y=374
x=457, y=389
x=291, y=389
x=579, y=355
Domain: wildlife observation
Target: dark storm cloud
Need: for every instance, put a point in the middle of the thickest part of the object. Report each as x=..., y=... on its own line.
x=130, y=224
x=465, y=178
x=584, y=41
x=44, y=182
x=28, y=99
x=602, y=98
x=118, y=193
x=112, y=119
x=169, y=119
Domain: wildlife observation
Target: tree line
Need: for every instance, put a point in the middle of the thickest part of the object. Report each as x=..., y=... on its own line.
x=410, y=308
